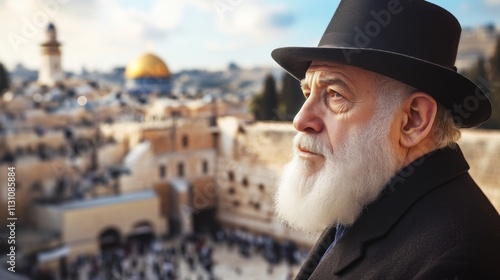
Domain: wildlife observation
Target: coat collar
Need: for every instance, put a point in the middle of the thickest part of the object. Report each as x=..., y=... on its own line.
x=414, y=181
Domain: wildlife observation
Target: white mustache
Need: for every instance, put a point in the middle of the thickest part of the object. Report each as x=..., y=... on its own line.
x=310, y=143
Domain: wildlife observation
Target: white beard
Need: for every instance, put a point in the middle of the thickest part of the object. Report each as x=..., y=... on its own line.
x=353, y=175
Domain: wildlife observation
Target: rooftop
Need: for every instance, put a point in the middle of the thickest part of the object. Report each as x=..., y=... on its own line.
x=108, y=200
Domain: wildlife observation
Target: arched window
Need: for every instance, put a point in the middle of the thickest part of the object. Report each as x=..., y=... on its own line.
x=109, y=239
x=205, y=166
x=230, y=176
x=185, y=141
x=180, y=169
x=244, y=182
x=163, y=171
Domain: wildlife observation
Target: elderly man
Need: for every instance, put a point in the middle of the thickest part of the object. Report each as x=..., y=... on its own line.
x=375, y=164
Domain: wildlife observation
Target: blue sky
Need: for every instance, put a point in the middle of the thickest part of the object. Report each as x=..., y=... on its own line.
x=102, y=34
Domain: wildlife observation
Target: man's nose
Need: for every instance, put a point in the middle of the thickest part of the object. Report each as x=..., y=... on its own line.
x=308, y=119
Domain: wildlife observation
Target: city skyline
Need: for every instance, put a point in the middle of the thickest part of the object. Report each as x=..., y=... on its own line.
x=101, y=35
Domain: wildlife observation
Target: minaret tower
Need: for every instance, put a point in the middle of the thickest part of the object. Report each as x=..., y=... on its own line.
x=50, y=71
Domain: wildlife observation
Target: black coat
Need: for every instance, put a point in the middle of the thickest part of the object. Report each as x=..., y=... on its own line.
x=431, y=222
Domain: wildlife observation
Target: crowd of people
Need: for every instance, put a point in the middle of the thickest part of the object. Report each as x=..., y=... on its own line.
x=273, y=251
x=190, y=257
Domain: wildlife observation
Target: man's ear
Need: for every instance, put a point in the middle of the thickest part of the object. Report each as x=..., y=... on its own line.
x=419, y=112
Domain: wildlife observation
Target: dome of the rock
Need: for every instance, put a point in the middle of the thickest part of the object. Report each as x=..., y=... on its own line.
x=148, y=74
x=146, y=66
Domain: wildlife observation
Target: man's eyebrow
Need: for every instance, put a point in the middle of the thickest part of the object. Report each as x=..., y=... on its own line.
x=327, y=81
x=333, y=81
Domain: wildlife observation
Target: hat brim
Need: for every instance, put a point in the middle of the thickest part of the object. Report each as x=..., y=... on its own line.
x=467, y=102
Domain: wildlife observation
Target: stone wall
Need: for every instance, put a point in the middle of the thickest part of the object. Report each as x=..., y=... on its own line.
x=184, y=136
x=252, y=157
x=110, y=154
x=81, y=225
x=141, y=164
x=482, y=150
x=29, y=169
x=266, y=143
x=29, y=140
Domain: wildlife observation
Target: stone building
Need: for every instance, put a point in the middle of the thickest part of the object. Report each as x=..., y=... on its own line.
x=51, y=71
x=89, y=226
x=164, y=177
x=476, y=43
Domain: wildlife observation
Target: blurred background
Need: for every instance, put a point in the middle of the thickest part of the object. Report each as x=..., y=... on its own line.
x=146, y=137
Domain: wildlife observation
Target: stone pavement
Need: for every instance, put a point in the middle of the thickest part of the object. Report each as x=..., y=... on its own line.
x=228, y=265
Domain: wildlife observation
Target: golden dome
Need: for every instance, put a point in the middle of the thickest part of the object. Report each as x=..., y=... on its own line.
x=147, y=65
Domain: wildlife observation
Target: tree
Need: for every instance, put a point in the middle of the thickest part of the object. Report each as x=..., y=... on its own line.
x=495, y=82
x=265, y=105
x=256, y=107
x=478, y=74
x=4, y=80
x=291, y=97
x=270, y=98
x=495, y=62
x=482, y=79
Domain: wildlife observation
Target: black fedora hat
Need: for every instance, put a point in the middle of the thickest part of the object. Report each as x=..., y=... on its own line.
x=412, y=41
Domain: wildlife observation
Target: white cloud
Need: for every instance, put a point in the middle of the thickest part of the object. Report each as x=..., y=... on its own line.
x=252, y=18
x=93, y=32
x=218, y=47
x=106, y=33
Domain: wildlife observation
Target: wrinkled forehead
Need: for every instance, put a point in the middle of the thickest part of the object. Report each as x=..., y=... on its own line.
x=353, y=77
x=327, y=67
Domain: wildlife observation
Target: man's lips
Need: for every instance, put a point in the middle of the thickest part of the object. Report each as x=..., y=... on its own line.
x=304, y=152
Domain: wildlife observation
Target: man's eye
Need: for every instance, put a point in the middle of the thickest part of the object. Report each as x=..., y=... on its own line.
x=333, y=93
x=337, y=102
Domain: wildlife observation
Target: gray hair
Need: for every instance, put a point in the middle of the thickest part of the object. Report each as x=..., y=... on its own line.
x=393, y=93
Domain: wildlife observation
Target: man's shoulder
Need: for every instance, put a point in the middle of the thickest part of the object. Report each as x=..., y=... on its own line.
x=453, y=268
x=453, y=225
x=457, y=202
x=439, y=185
x=456, y=210
x=447, y=226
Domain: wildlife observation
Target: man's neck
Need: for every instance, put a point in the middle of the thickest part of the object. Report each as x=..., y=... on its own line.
x=411, y=154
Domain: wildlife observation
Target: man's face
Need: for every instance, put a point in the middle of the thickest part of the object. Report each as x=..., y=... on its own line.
x=343, y=151
x=339, y=100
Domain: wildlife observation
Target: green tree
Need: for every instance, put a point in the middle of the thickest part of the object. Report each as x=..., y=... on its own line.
x=270, y=98
x=265, y=105
x=291, y=98
x=495, y=82
x=4, y=80
x=479, y=75
x=256, y=107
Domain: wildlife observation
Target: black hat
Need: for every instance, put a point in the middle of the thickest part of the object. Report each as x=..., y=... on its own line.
x=412, y=41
